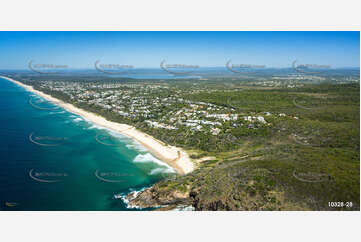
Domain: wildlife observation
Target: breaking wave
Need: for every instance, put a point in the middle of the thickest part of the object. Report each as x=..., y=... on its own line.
x=57, y=112
x=94, y=126
x=156, y=171
x=136, y=146
x=149, y=158
x=126, y=199
x=77, y=120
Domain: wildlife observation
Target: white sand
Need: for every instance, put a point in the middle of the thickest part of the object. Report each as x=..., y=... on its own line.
x=167, y=153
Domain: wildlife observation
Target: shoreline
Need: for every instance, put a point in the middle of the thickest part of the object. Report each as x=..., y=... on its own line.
x=173, y=156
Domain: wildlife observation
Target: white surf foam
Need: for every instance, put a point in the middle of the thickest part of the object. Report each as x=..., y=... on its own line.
x=118, y=135
x=57, y=112
x=136, y=146
x=94, y=126
x=77, y=120
x=126, y=199
x=149, y=158
x=156, y=171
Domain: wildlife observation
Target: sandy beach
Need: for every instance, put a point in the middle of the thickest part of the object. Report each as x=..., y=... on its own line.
x=174, y=156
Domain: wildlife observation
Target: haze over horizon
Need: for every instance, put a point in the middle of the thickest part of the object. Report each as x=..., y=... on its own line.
x=79, y=50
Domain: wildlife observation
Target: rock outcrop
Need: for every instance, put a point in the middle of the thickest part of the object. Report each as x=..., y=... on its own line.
x=154, y=197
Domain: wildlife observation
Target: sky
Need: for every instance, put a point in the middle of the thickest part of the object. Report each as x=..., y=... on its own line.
x=149, y=49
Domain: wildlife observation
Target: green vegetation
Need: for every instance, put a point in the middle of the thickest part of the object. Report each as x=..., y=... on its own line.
x=305, y=155
x=298, y=164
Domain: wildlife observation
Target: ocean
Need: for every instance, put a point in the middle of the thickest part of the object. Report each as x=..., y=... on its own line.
x=54, y=160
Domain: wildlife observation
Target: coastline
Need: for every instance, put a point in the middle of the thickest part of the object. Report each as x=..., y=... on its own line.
x=173, y=156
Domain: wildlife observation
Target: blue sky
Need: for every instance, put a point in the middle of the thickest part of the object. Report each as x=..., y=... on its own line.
x=148, y=49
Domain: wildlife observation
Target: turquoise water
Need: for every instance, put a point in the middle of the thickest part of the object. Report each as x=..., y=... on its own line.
x=51, y=159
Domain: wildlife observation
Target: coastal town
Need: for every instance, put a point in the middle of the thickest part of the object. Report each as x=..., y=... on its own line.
x=203, y=116
x=160, y=106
